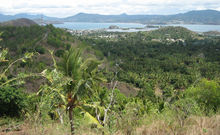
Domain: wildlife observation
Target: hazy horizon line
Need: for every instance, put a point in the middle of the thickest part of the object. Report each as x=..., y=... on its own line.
x=102, y=14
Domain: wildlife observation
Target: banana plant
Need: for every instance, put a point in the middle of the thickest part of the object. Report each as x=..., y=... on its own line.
x=19, y=79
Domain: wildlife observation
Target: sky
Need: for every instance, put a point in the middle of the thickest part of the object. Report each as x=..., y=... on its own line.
x=65, y=8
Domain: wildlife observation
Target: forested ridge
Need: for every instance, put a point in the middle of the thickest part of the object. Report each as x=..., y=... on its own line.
x=165, y=81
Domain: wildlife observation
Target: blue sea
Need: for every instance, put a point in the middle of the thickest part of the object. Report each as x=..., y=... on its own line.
x=132, y=26
x=198, y=28
x=93, y=26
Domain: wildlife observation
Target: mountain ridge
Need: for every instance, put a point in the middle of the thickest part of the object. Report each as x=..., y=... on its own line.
x=191, y=17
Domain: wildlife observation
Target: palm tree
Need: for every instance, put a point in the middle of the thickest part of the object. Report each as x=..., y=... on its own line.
x=83, y=77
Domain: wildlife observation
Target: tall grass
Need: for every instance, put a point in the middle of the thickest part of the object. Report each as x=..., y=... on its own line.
x=194, y=125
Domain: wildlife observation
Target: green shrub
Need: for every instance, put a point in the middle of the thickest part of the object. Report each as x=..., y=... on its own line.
x=206, y=93
x=67, y=46
x=59, y=53
x=99, y=54
x=179, y=111
x=40, y=49
x=55, y=42
x=12, y=101
x=41, y=66
x=186, y=107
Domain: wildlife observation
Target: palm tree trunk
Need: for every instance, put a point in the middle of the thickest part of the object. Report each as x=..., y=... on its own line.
x=71, y=120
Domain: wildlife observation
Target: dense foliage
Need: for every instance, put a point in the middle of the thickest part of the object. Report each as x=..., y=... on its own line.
x=174, y=72
x=12, y=101
x=159, y=59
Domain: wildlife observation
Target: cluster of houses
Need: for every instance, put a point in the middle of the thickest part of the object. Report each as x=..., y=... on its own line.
x=83, y=32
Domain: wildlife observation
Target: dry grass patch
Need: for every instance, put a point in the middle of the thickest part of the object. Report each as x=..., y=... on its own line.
x=192, y=126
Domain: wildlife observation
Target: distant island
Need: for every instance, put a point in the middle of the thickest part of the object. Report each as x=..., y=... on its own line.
x=114, y=27
x=211, y=17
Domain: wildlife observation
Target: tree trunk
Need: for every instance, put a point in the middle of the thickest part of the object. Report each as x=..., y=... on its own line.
x=71, y=120
x=60, y=116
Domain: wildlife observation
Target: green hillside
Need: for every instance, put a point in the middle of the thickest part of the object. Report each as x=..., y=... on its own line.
x=159, y=82
x=172, y=32
x=19, y=23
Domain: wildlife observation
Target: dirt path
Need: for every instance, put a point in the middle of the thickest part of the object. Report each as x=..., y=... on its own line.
x=44, y=38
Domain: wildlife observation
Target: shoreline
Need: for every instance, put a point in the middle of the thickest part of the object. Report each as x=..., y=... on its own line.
x=80, y=27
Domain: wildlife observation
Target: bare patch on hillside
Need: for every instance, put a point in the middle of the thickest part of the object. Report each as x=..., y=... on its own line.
x=125, y=88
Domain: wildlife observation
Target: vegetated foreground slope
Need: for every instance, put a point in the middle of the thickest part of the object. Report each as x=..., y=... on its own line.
x=175, y=71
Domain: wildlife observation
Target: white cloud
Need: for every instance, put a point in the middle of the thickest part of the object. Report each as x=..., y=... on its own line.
x=63, y=8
